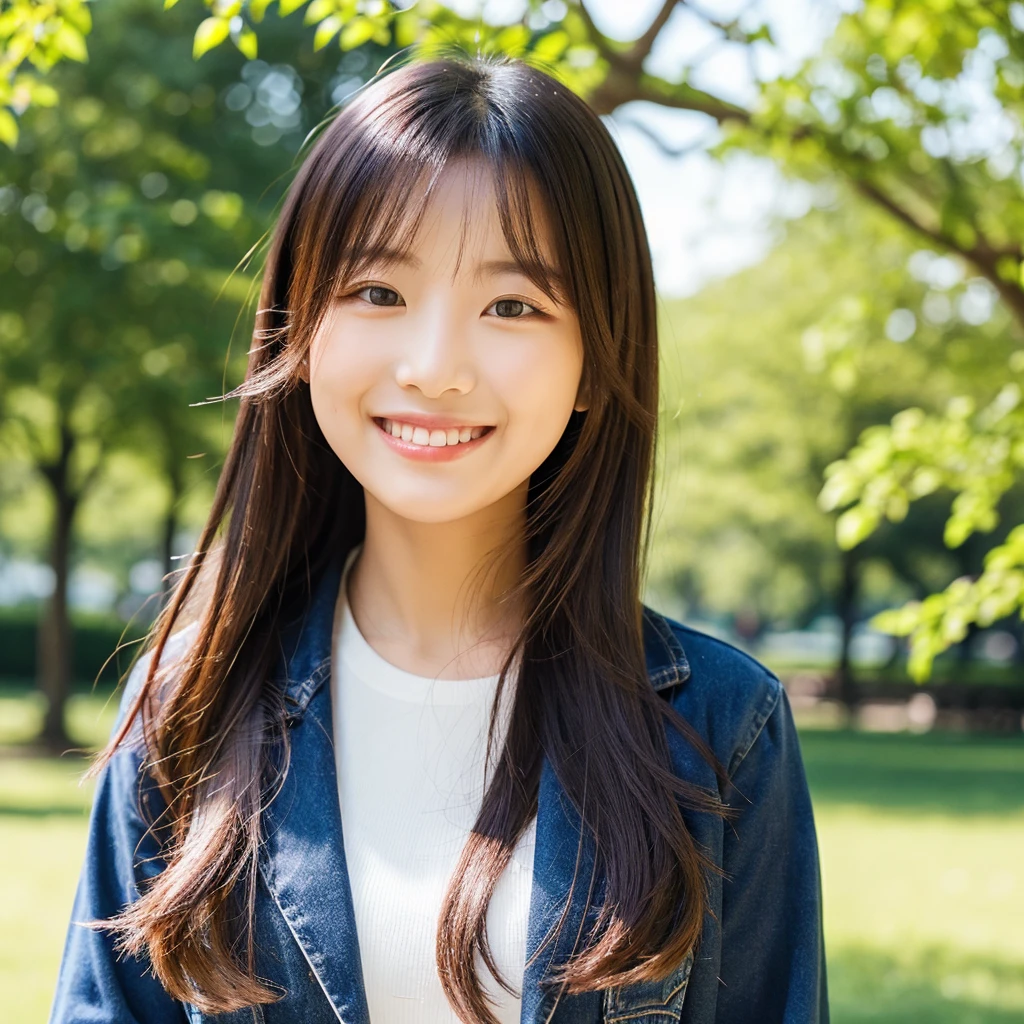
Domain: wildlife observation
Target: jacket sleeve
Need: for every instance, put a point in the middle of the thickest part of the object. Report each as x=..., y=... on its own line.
x=94, y=985
x=773, y=951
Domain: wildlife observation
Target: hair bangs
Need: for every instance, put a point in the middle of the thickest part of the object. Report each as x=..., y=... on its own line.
x=385, y=220
x=406, y=141
x=390, y=211
x=517, y=195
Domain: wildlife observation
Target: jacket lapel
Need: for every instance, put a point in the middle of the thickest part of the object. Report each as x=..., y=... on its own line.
x=303, y=856
x=302, y=859
x=561, y=845
x=565, y=848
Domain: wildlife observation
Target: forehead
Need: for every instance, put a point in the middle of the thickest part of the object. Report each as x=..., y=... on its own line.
x=463, y=201
x=464, y=209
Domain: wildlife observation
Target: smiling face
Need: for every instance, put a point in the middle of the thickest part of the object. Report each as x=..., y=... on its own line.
x=443, y=380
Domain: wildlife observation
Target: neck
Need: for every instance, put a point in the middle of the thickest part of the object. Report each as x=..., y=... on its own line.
x=432, y=598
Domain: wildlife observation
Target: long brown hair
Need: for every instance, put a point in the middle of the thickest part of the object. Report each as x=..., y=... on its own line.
x=285, y=505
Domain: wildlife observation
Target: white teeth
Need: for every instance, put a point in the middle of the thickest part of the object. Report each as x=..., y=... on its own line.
x=430, y=438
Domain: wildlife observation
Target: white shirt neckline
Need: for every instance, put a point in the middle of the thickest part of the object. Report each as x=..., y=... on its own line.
x=379, y=673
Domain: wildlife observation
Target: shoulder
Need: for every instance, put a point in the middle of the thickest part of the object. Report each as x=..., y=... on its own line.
x=728, y=695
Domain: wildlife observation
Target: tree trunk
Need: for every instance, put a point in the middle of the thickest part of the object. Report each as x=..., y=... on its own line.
x=53, y=659
x=846, y=684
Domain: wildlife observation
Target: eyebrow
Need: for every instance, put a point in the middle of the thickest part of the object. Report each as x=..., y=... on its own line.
x=391, y=257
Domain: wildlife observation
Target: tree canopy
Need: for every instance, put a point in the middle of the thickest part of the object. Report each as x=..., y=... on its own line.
x=128, y=186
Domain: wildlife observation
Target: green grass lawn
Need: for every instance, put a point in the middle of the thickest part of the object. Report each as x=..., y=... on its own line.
x=922, y=848
x=922, y=843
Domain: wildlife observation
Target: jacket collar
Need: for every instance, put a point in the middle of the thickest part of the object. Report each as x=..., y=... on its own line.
x=307, y=646
x=303, y=858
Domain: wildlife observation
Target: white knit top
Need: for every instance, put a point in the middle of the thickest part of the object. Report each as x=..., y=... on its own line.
x=410, y=759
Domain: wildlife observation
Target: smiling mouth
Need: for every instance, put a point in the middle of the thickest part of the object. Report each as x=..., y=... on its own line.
x=423, y=438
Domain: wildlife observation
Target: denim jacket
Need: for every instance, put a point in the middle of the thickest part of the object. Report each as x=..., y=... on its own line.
x=761, y=956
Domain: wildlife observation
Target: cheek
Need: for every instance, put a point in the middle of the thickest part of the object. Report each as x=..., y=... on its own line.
x=341, y=369
x=538, y=384
x=537, y=391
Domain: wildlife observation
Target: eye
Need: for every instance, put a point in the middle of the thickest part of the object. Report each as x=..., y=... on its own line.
x=378, y=295
x=514, y=309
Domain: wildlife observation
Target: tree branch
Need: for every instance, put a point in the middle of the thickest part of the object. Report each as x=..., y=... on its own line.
x=32, y=438
x=669, y=151
x=597, y=37
x=685, y=97
x=640, y=49
x=726, y=27
x=880, y=198
x=85, y=484
x=626, y=82
x=982, y=256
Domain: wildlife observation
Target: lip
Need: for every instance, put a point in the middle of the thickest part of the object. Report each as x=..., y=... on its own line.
x=420, y=419
x=426, y=453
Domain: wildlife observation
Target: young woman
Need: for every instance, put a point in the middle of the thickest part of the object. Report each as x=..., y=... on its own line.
x=407, y=747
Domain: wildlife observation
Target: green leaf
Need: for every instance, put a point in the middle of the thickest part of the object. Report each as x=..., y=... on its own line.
x=168, y=4
x=406, y=28
x=258, y=8
x=318, y=10
x=286, y=7
x=552, y=46
x=512, y=39
x=18, y=48
x=356, y=32
x=71, y=43
x=1010, y=269
x=8, y=129
x=896, y=508
x=246, y=42
x=897, y=621
x=42, y=95
x=854, y=525
x=77, y=13
x=211, y=32
x=326, y=31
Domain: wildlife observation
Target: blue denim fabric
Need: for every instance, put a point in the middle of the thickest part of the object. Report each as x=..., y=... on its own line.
x=761, y=962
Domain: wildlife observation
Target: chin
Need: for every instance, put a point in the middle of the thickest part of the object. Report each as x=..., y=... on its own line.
x=429, y=508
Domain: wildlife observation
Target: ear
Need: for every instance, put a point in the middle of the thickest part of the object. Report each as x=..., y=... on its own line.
x=304, y=368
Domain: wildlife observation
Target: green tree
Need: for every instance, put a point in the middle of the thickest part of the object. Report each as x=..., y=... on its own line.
x=918, y=106
x=35, y=35
x=915, y=103
x=131, y=213
x=119, y=233
x=773, y=374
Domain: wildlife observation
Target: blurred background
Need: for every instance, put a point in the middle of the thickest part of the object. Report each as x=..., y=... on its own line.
x=834, y=191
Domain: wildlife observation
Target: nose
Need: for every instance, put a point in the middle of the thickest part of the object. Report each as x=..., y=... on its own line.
x=437, y=357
